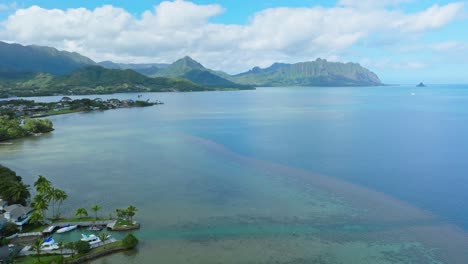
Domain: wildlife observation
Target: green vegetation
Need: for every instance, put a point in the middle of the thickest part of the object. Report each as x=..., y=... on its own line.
x=91, y=80
x=80, y=212
x=82, y=247
x=47, y=197
x=47, y=259
x=18, y=58
x=95, y=208
x=126, y=214
x=38, y=125
x=37, y=247
x=11, y=128
x=314, y=73
x=9, y=229
x=192, y=70
x=12, y=189
x=130, y=241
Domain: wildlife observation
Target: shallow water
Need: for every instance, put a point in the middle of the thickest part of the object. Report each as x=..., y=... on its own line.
x=277, y=175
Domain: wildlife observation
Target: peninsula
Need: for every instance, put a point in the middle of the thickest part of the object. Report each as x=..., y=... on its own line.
x=20, y=118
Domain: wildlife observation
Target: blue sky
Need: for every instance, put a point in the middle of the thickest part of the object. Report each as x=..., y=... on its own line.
x=403, y=41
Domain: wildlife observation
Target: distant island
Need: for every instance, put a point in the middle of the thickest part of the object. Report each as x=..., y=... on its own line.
x=41, y=71
x=18, y=118
x=421, y=85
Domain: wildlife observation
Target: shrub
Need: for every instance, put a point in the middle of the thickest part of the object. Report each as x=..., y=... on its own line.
x=130, y=241
x=9, y=229
x=82, y=247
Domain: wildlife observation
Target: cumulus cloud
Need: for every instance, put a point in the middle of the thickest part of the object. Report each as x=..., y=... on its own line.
x=177, y=28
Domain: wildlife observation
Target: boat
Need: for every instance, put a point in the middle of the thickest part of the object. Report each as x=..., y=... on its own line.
x=94, y=228
x=49, y=244
x=92, y=239
x=67, y=228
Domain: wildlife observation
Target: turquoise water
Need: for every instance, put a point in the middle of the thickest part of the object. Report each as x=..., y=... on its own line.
x=276, y=175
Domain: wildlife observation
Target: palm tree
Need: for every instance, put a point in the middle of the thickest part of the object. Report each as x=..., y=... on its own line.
x=70, y=246
x=36, y=217
x=80, y=212
x=59, y=196
x=40, y=203
x=42, y=185
x=131, y=211
x=17, y=192
x=95, y=208
x=37, y=246
x=103, y=237
x=61, y=246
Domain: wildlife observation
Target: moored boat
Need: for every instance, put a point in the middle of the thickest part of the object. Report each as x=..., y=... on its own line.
x=67, y=228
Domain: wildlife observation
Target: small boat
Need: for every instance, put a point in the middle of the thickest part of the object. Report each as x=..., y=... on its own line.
x=67, y=228
x=94, y=228
x=49, y=244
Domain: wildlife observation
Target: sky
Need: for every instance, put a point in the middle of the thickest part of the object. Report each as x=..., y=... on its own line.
x=403, y=41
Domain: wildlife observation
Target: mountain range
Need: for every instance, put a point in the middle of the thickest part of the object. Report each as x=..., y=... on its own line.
x=38, y=70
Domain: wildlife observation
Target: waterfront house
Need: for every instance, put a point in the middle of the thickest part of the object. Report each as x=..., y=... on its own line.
x=3, y=205
x=17, y=214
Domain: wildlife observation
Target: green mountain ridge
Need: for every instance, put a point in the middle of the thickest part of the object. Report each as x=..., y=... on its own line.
x=33, y=58
x=90, y=80
x=314, y=73
x=192, y=70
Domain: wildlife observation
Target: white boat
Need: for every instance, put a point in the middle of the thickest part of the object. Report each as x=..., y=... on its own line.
x=49, y=244
x=92, y=239
x=67, y=228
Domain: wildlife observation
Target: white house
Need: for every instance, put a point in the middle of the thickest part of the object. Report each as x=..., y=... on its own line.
x=17, y=214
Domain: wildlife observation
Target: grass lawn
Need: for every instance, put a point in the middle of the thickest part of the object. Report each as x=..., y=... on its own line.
x=33, y=259
x=123, y=222
x=76, y=219
x=33, y=228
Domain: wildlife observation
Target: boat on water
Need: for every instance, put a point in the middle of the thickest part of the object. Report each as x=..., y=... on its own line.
x=67, y=228
x=92, y=239
x=94, y=228
x=49, y=244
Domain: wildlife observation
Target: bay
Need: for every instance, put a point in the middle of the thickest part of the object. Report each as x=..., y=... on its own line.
x=276, y=175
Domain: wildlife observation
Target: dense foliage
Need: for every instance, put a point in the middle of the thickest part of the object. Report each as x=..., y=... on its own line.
x=11, y=128
x=82, y=247
x=130, y=241
x=12, y=189
x=313, y=73
x=38, y=125
x=192, y=70
x=18, y=58
x=9, y=229
x=91, y=80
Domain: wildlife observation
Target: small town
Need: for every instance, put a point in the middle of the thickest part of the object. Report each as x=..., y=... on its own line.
x=20, y=108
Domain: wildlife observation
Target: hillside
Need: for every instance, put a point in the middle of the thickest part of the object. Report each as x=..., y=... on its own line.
x=19, y=58
x=192, y=70
x=315, y=73
x=90, y=80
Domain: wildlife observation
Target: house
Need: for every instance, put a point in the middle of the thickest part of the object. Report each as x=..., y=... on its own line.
x=17, y=214
x=3, y=205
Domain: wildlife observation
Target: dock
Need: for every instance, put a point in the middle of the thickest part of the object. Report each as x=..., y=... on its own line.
x=84, y=224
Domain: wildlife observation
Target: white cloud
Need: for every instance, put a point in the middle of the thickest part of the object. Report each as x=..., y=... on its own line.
x=178, y=28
